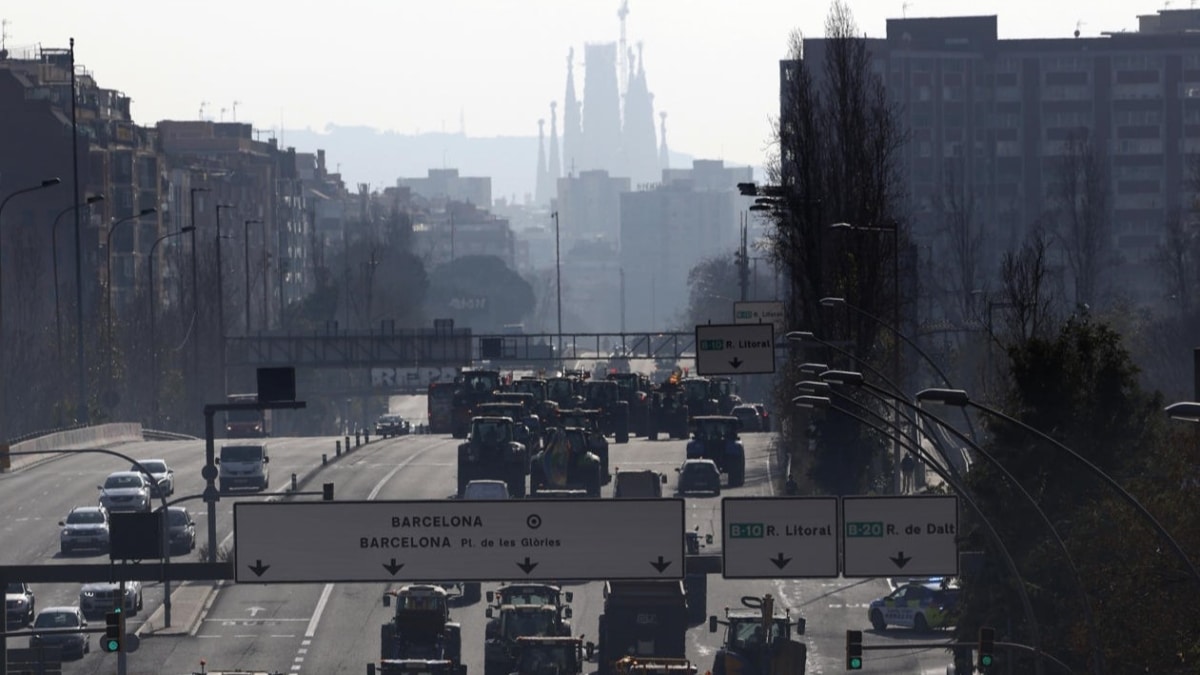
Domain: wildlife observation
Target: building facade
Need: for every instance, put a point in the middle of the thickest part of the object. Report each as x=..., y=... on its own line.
x=1000, y=119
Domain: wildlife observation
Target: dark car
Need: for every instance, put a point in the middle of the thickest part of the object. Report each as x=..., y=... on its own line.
x=392, y=425
x=699, y=475
x=181, y=530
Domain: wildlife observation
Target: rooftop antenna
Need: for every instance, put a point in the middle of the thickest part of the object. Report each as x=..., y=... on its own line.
x=235, y=105
x=904, y=9
x=4, y=24
x=223, y=114
x=1079, y=24
x=203, y=105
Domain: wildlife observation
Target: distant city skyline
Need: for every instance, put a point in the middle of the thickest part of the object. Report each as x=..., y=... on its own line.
x=476, y=66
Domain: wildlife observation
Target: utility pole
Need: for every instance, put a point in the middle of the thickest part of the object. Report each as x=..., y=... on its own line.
x=558, y=279
x=743, y=263
x=621, y=271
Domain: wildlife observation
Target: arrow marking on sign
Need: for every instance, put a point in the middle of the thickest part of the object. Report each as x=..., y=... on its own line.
x=900, y=560
x=736, y=362
x=258, y=568
x=392, y=567
x=780, y=561
x=660, y=564
x=254, y=611
x=527, y=566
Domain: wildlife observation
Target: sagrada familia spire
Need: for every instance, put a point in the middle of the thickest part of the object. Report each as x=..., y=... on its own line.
x=612, y=128
x=542, y=191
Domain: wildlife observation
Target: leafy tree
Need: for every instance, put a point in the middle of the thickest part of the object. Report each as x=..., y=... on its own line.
x=1081, y=387
x=456, y=287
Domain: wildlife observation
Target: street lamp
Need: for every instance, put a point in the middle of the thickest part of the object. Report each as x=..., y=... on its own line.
x=153, y=328
x=246, y=255
x=54, y=263
x=895, y=330
x=195, y=279
x=824, y=402
x=49, y=182
x=857, y=379
x=958, y=397
x=221, y=301
x=558, y=281
x=108, y=263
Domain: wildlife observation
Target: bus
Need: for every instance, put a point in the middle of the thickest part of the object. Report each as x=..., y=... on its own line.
x=246, y=423
x=440, y=401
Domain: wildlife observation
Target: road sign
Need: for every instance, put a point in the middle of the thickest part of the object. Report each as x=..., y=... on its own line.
x=760, y=311
x=891, y=536
x=779, y=537
x=735, y=349
x=578, y=539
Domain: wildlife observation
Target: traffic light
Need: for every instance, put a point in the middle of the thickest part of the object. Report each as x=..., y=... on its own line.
x=114, y=631
x=987, y=647
x=327, y=492
x=854, y=650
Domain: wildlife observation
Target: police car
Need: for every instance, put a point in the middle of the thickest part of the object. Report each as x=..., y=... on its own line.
x=919, y=604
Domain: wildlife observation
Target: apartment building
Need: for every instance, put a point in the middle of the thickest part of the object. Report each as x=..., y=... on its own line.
x=998, y=118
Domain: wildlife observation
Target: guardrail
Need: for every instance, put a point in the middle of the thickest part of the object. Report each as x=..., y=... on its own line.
x=80, y=437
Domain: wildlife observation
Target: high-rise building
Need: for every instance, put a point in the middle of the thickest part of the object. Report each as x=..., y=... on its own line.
x=1000, y=117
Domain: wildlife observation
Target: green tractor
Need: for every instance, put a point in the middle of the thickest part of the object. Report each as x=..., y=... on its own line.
x=566, y=465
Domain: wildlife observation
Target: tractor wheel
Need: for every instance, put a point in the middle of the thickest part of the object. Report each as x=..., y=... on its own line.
x=621, y=422
x=737, y=474
x=516, y=485
x=593, y=482
x=463, y=479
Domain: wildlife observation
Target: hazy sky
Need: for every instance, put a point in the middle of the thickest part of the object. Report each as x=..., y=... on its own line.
x=414, y=66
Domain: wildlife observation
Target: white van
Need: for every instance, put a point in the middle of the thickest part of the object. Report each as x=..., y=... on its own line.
x=243, y=465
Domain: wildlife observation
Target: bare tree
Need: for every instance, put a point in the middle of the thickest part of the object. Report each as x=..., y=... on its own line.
x=964, y=238
x=1025, y=289
x=1083, y=228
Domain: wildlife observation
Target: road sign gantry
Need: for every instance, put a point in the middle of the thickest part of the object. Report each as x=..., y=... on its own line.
x=439, y=541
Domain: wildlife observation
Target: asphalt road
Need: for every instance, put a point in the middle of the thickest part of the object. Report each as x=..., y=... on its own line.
x=325, y=629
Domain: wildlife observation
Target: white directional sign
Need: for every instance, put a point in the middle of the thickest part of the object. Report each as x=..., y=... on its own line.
x=779, y=537
x=760, y=311
x=735, y=349
x=891, y=536
x=584, y=539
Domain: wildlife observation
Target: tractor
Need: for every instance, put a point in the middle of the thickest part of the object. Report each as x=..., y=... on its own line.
x=724, y=391
x=551, y=655
x=716, y=438
x=758, y=640
x=605, y=396
x=492, y=452
x=471, y=388
x=420, y=628
x=510, y=622
x=669, y=410
x=589, y=421
x=566, y=465
x=636, y=390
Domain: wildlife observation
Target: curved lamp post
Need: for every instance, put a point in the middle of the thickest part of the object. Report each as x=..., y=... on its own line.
x=958, y=397
x=821, y=402
x=54, y=263
x=153, y=325
x=856, y=379
x=835, y=302
x=108, y=284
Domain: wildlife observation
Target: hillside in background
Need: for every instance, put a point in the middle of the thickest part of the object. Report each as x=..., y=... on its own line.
x=366, y=155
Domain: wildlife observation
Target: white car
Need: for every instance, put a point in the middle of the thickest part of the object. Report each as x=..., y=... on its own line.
x=164, y=478
x=85, y=527
x=98, y=598
x=486, y=489
x=125, y=491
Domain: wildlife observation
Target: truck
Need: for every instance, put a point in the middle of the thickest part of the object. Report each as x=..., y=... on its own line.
x=758, y=639
x=641, y=619
x=492, y=452
x=605, y=397
x=420, y=627
x=641, y=484
x=471, y=387
x=439, y=404
x=566, y=465
x=415, y=667
x=716, y=438
x=246, y=423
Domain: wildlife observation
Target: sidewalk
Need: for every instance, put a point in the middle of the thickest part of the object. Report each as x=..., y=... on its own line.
x=190, y=601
